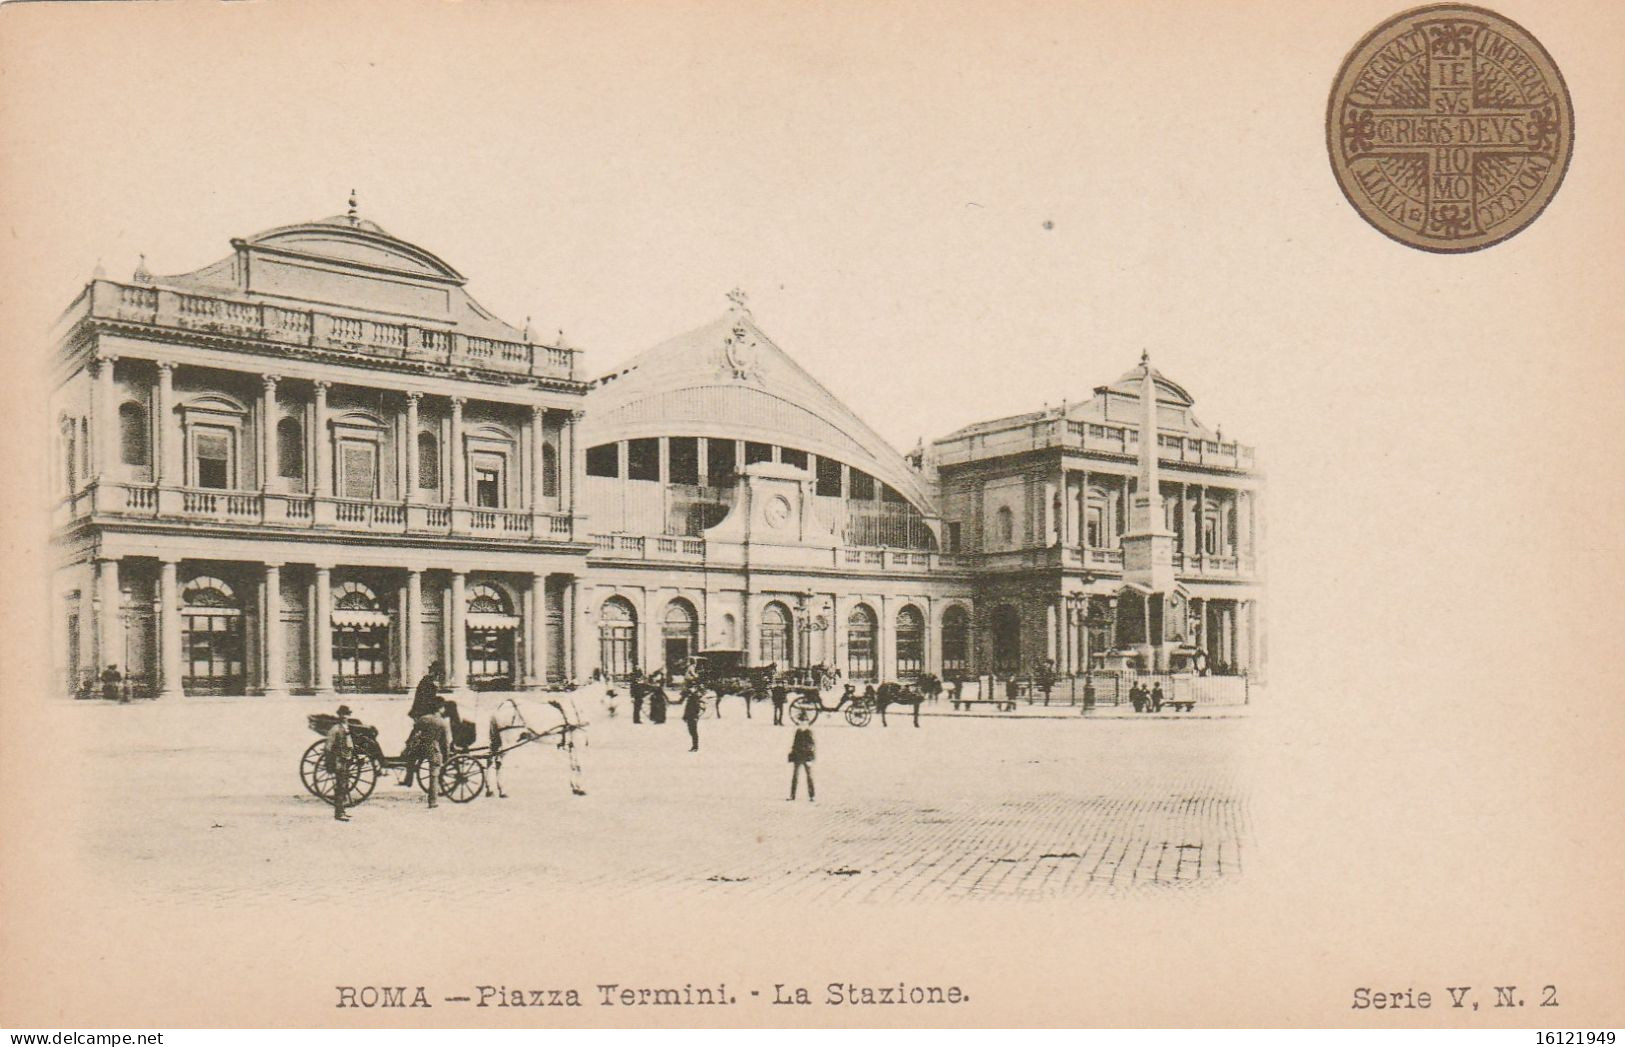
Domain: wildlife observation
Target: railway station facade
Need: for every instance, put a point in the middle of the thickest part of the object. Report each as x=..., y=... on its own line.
x=320, y=465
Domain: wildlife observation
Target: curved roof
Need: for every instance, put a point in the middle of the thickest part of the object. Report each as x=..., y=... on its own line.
x=729, y=380
x=357, y=241
x=348, y=262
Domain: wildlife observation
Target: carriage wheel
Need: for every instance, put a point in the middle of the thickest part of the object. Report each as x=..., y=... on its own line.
x=859, y=714
x=462, y=778
x=804, y=710
x=363, y=777
x=315, y=757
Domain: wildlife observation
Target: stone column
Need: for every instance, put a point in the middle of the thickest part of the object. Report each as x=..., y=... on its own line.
x=267, y=440
x=572, y=629
x=109, y=620
x=459, y=496
x=165, y=440
x=412, y=626
x=457, y=671
x=1052, y=632
x=276, y=635
x=571, y=461
x=1069, y=525
x=322, y=443
x=169, y=631
x=1201, y=521
x=322, y=626
x=538, y=631
x=411, y=451
x=104, y=428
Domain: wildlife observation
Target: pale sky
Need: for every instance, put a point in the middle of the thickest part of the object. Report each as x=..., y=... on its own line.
x=946, y=215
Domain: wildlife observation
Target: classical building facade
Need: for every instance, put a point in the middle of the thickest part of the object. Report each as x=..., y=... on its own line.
x=316, y=464
x=319, y=464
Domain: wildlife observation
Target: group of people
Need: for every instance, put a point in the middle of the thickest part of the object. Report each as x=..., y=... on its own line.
x=1146, y=700
x=428, y=743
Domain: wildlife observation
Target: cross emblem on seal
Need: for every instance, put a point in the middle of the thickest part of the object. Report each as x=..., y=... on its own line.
x=1450, y=128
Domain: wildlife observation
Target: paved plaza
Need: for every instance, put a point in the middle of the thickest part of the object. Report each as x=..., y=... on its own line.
x=199, y=802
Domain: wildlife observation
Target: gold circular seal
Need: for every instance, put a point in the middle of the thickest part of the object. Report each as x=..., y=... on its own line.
x=1449, y=128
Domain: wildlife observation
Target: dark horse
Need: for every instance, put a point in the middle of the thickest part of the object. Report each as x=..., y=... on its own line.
x=897, y=694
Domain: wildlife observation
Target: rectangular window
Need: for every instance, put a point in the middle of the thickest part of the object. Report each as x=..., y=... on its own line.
x=643, y=459
x=1096, y=536
x=211, y=451
x=719, y=463
x=791, y=456
x=358, y=469
x=603, y=460
x=684, y=453
x=829, y=477
x=490, y=472
x=953, y=536
x=755, y=452
x=862, y=486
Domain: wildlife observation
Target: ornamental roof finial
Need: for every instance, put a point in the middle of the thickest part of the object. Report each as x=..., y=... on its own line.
x=1145, y=358
x=527, y=328
x=353, y=214
x=142, y=276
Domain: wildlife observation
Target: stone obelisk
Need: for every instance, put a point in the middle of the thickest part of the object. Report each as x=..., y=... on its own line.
x=1148, y=547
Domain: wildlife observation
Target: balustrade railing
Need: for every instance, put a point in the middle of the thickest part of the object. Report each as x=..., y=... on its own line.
x=214, y=313
x=284, y=509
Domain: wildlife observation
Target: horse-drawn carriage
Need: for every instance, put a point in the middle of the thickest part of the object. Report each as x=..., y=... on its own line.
x=467, y=771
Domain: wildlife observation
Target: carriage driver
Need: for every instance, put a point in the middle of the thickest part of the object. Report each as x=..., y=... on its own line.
x=425, y=702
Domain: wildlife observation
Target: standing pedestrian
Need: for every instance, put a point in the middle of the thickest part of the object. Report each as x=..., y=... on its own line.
x=693, y=707
x=1156, y=697
x=657, y=700
x=639, y=690
x=1136, y=697
x=112, y=680
x=339, y=753
x=801, y=759
x=780, y=692
x=436, y=744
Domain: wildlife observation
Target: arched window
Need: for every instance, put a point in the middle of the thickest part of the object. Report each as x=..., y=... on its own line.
x=955, y=640
x=910, y=642
x=290, y=449
x=680, y=632
x=550, y=471
x=70, y=455
x=132, y=429
x=860, y=644
x=1006, y=639
x=776, y=647
x=1005, y=526
x=486, y=598
x=354, y=596
x=728, y=633
x=428, y=462
x=617, y=638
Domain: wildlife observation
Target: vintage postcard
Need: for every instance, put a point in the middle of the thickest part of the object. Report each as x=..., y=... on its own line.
x=854, y=514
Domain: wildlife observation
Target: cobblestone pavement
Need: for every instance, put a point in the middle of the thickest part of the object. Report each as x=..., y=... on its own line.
x=199, y=803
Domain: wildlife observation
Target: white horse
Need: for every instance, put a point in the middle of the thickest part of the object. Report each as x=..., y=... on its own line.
x=509, y=729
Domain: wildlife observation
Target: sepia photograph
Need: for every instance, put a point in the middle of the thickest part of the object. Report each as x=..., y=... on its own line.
x=561, y=515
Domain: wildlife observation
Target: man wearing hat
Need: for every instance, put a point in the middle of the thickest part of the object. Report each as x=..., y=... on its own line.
x=340, y=751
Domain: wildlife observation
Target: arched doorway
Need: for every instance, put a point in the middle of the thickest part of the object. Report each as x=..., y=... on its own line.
x=680, y=635
x=777, y=647
x=211, y=638
x=617, y=638
x=861, y=635
x=1006, y=639
x=360, y=639
x=910, y=642
x=956, y=646
x=492, y=628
